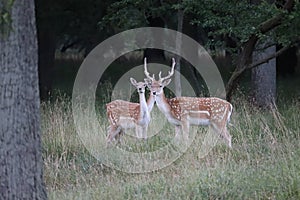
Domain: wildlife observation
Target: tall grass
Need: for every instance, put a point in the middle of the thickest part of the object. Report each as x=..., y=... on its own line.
x=263, y=164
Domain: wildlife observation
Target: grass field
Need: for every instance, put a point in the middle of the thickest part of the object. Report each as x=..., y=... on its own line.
x=263, y=164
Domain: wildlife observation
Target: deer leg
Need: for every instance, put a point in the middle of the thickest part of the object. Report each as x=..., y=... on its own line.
x=112, y=132
x=118, y=137
x=185, y=130
x=177, y=131
x=226, y=136
x=108, y=138
x=144, y=132
x=138, y=131
x=223, y=132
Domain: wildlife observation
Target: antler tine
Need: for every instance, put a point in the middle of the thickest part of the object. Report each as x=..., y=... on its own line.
x=170, y=72
x=146, y=70
x=173, y=63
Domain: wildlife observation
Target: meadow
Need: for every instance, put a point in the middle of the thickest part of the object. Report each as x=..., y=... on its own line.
x=263, y=163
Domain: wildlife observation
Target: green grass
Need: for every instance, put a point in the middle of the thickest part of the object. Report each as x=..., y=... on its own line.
x=263, y=164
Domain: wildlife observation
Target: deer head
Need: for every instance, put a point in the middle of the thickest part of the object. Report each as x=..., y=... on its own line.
x=157, y=86
x=140, y=86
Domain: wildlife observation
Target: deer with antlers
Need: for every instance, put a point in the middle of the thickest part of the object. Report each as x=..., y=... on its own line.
x=186, y=111
x=124, y=115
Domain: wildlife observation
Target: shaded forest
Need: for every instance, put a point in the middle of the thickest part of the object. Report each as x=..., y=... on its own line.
x=232, y=32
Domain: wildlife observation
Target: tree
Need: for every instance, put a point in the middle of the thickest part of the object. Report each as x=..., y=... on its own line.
x=178, y=41
x=245, y=24
x=263, y=77
x=21, y=166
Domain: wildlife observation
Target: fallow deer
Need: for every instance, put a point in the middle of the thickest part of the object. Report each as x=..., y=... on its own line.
x=185, y=111
x=124, y=115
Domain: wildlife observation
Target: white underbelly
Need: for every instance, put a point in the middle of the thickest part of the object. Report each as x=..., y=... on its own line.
x=199, y=117
x=197, y=121
x=126, y=122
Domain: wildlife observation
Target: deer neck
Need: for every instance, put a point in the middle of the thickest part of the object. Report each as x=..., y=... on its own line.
x=150, y=102
x=164, y=106
x=143, y=104
x=162, y=103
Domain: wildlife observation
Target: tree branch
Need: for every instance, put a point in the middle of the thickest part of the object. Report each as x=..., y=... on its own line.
x=263, y=28
x=288, y=5
x=268, y=25
x=238, y=72
x=276, y=20
x=277, y=53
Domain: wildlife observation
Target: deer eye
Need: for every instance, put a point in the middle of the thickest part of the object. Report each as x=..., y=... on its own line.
x=160, y=86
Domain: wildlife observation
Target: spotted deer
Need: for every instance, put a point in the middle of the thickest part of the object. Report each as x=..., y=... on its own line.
x=185, y=111
x=124, y=115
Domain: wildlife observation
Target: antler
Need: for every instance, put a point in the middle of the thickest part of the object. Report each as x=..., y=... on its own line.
x=170, y=72
x=146, y=70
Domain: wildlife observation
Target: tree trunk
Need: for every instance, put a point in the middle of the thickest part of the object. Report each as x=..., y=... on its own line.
x=178, y=57
x=21, y=174
x=263, y=79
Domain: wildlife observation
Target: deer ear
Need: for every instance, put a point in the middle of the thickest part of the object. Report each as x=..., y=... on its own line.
x=166, y=82
x=133, y=81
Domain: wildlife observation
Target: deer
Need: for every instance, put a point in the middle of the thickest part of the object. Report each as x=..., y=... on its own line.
x=186, y=111
x=124, y=115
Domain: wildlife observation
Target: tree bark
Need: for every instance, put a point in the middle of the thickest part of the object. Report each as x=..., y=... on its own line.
x=263, y=79
x=21, y=174
x=178, y=57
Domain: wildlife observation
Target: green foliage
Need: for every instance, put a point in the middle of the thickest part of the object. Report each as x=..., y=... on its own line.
x=237, y=20
x=123, y=18
x=289, y=31
x=124, y=14
x=5, y=17
x=127, y=14
x=234, y=20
